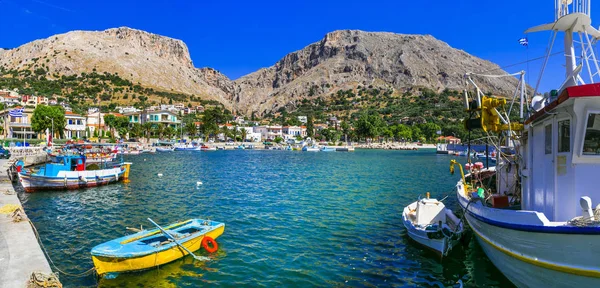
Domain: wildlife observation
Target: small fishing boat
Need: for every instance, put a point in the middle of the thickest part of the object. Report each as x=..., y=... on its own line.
x=327, y=149
x=165, y=149
x=241, y=147
x=310, y=149
x=207, y=148
x=187, y=147
x=69, y=172
x=151, y=248
x=429, y=223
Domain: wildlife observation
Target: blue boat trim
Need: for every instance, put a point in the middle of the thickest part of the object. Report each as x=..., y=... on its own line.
x=589, y=230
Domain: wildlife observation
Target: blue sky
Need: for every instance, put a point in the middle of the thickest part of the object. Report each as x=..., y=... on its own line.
x=239, y=37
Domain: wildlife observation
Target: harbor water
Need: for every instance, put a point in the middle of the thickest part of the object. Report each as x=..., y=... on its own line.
x=293, y=219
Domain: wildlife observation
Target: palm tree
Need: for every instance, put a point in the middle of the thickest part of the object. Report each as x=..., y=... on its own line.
x=147, y=128
x=226, y=132
x=244, y=133
x=168, y=132
x=234, y=133
x=160, y=130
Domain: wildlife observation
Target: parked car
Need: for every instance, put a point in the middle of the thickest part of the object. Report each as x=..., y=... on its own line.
x=4, y=154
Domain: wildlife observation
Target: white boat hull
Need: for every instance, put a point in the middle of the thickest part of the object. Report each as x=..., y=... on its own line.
x=532, y=251
x=440, y=245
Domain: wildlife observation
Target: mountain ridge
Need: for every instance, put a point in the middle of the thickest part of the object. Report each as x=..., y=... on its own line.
x=341, y=60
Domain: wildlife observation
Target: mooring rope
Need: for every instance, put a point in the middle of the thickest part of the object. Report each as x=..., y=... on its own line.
x=77, y=275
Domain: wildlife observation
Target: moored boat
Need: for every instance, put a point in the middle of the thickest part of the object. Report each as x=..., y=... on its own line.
x=165, y=149
x=327, y=149
x=151, y=248
x=533, y=214
x=207, y=148
x=69, y=172
x=310, y=149
x=429, y=223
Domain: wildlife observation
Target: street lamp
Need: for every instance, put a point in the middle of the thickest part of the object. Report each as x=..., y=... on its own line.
x=52, y=131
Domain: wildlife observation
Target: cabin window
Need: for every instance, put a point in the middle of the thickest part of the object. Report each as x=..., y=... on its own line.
x=564, y=136
x=548, y=138
x=591, y=142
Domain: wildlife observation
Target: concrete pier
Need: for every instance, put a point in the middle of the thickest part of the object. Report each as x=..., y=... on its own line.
x=20, y=253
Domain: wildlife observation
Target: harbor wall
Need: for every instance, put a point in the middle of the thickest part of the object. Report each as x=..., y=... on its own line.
x=20, y=252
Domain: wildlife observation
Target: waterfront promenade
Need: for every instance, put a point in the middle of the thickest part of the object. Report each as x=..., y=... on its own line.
x=20, y=253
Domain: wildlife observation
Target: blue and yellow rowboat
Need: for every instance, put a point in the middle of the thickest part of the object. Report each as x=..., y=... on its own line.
x=151, y=248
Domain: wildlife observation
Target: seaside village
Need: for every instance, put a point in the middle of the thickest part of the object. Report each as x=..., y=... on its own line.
x=16, y=124
x=85, y=126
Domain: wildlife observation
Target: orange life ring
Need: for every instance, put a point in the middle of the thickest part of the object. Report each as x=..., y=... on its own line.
x=205, y=243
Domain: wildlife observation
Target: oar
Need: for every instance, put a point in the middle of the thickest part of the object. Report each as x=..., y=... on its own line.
x=177, y=242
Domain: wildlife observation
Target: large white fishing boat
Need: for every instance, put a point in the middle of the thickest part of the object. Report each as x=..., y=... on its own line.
x=536, y=213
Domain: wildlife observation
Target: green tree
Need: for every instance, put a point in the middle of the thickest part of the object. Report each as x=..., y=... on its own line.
x=190, y=129
x=403, y=132
x=244, y=133
x=169, y=132
x=135, y=130
x=369, y=126
x=110, y=121
x=147, y=129
x=159, y=130
x=121, y=123
x=310, y=127
x=278, y=140
x=40, y=121
x=345, y=130
x=430, y=130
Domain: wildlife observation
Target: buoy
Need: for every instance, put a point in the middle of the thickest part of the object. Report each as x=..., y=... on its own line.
x=207, y=242
x=160, y=175
x=198, y=183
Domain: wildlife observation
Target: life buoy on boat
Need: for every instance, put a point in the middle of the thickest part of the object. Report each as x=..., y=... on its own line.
x=208, y=241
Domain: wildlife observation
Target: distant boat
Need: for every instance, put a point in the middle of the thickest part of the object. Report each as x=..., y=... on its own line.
x=151, y=248
x=310, y=149
x=429, y=223
x=241, y=147
x=69, y=172
x=327, y=149
x=165, y=149
x=207, y=148
x=186, y=147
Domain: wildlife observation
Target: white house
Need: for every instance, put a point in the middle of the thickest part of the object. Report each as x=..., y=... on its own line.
x=269, y=132
x=76, y=125
x=291, y=132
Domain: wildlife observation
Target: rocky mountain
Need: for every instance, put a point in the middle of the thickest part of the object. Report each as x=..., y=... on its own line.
x=343, y=59
x=348, y=58
x=152, y=60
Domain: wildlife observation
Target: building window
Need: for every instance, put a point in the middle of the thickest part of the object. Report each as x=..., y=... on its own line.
x=70, y=121
x=548, y=138
x=564, y=136
x=591, y=141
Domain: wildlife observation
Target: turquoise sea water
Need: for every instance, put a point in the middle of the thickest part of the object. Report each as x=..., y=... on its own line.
x=293, y=219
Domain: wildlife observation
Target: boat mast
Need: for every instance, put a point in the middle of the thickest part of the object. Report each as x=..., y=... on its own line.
x=573, y=18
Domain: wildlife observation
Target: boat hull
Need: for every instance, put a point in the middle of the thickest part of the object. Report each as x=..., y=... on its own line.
x=440, y=246
x=106, y=264
x=74, y=180
x=564, y=255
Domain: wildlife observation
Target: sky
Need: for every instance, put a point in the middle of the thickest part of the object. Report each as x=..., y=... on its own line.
x=240, y=37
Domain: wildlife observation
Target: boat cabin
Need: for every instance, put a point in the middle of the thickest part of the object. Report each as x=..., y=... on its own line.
x=561, y=153
x=63, y=163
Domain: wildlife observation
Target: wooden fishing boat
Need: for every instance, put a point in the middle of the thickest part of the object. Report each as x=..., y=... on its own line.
x=69, y=172
x=151, y=248
x=429, y=223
